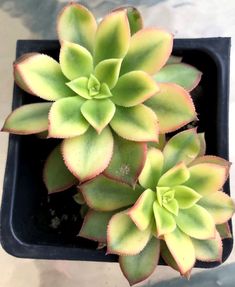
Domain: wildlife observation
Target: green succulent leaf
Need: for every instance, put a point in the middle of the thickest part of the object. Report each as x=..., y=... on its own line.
x=80, y=87
x=137, y=268
x=88, y=155
x=172, y=206
x=76, y=24
x=142, y=211
x=124, y=238
x=206, y=178
x=219, y=205
x=78, y=198
x=196, y=222
x=56, y=176
x=181, y=74
x=127, y=160
x=167, y=256
x=95, y=225
x=224, y=230
x=212, y=159
x=149, y=50
x=173, y=106
x=185, y=196
x=28, y=119
x=201, y=137
x=174, y=60
x=182, y=250
x=107, y=71
x=104, y=194
x=137, y=123
x=134, y=18
x=75, y=61
x=152, y=170
x=133, y=88
x=98, y=113
x=175, y=176
x=66, y=119
x=112, y=37
x=41, y=75
x=165, y=222
x=184, y=146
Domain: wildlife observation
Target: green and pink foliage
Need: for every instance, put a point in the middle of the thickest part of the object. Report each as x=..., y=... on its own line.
x=113, y=78
x=175, y=206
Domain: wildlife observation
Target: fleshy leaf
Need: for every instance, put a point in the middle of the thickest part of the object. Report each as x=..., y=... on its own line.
x=134, y=88
x=172, y=206
x=78, y=198
x=142, y=211
x=175, y=176
x=182, y=250
x=208, y=250
x=95, y=225
x=201, y=137
x=219, y=205
x=173, y=106
x=167, y=256
x=28, y=119
x=98, y=113
x=89, y=154
x=185, y=196
x=106, y=194
x=127, y=160
x=184, y=146
x=181, y=74
x=152, y=170
x=206, y=178
x=137, y=123
x=137, y=268
x=124, y=238
x=196, y=222
x=165, y=222
x=80, y=87
x=224, y=230
x=174, y=60
x=56, y=175
x=149, y=50
x=42, y=76
x=107, y=71
x=66, y=119
x=112, y=37
x=76, y=24
x=75, y=61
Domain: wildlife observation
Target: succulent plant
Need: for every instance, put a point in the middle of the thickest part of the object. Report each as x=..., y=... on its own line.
x=176, y=209
x=112, y=78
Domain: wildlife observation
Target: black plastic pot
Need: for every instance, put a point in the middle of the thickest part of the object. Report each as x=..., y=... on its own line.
x=34, y=225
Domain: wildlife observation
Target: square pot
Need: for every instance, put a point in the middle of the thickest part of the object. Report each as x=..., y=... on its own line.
x=35, y=225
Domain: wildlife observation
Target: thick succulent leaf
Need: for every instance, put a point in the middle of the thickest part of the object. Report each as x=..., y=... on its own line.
x=98, y=113
x=181, y=74
x=41, y=75
x=124, y=238
x=174, y=60
x=175, y=176
x=112, y=37
x=184, y=146
x=165, y=222
x=224, y=230
x=149, y=50
x=137, y=268
x=66, y=119
x=161, y=143
x=152, y=170
x=206, y=178
x=182, y=250
x=106, y=194
x=76, y=24
x=78, y=198
x=208, y=250
x=134, y=88
x=167, y=256
x=137, y=123
x=56, y=175
x=107, y=71
x=219, y=205
x=172, y=206
x=75, y=61
x=173, y=106
x=95, y=225
x=142, y=211
x=28, y=119
x=196, y=222
x=185, y=196
x=80, y=87
x=201, y=137
x=89, y=154
x=127, y=160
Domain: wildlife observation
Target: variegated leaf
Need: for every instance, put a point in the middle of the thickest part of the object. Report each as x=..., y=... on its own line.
x=185, y=196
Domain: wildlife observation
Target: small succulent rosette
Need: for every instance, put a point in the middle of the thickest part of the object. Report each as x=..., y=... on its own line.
x=115, y=77
x=177, y=208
